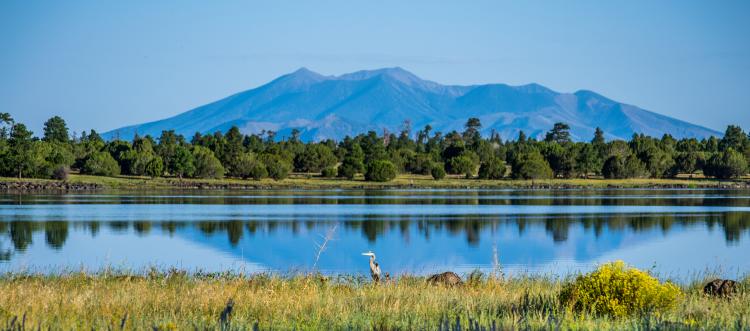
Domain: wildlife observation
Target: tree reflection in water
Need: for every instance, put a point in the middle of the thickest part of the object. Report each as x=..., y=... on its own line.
x=20, y=233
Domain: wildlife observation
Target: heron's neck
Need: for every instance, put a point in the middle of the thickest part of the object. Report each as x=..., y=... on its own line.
x=372, y=259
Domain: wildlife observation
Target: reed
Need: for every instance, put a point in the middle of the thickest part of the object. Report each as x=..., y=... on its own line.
x=180, y=300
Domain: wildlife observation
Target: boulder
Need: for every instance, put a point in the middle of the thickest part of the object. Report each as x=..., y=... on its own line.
x=446, y=278
x=720, y=287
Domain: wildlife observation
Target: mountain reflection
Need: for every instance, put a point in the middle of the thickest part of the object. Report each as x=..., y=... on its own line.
x=20, y=233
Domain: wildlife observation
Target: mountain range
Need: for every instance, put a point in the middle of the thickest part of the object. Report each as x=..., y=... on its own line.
x=324, y=107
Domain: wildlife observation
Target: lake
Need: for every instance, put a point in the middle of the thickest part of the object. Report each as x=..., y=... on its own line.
x=677, y=233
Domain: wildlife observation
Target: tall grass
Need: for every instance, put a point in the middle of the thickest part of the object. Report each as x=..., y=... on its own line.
x=177, y=300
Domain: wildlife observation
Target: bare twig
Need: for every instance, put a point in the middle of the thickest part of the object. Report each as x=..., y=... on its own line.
x=322, y=247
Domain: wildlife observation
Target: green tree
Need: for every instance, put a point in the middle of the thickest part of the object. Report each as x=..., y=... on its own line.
x=587, y=160
x=278, y=167
x=380, y=171
x=465, y=163
x=20, y=152
x=183, y=162
x=687, y=162
x=206, y=163
x=471, y=134
x=155, y=167
x=55, y=130
x=560, y=134
x=492, y=169
x=246, y=166
x=353, y=162
x=438, y=171
x=619, y=167
x=315, y=158
x=726, y=164
x=100, y=164
x=169, y=142
x=531, y=165
x=560, y=159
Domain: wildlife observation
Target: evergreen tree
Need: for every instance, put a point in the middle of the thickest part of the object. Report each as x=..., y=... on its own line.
x=55, y=130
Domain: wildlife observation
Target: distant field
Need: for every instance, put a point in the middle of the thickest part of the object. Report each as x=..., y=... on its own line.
x=402, y=181
x=175, y=301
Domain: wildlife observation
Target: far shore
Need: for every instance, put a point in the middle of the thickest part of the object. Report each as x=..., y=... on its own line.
x=78, y=182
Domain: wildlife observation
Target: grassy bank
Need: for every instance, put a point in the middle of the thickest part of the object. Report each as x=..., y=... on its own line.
x=302, y=181
x=179, y=301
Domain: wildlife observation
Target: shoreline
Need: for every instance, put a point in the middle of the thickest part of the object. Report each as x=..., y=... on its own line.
x=83, y=183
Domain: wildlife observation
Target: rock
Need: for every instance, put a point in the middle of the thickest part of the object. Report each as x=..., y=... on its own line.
x=720, y=287
x=446, y=278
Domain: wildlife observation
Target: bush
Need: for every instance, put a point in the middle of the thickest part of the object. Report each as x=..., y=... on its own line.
x=438, y=171
x=61, y=173
x=726, y=164
x=466, y=163
x=493, y=168
x=278, y=168
x=206, y=164
x=350, y=167
x=619, y=291
x=618, y=167
x=155, y=167
x=531, y=165
x=329, y=172
x=258, y=171
x=380, y=171
x=100, y=164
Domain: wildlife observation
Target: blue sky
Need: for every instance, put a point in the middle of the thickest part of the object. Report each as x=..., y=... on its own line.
x=105, y=64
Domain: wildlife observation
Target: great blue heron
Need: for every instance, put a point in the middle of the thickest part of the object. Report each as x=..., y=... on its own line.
x=374, y=267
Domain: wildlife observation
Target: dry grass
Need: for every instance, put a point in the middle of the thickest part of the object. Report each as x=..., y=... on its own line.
x=176, y=300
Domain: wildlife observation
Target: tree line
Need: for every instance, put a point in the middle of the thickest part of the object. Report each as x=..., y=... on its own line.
x=370, y=155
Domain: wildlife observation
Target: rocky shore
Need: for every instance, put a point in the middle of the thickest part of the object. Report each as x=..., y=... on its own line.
x=60, y=186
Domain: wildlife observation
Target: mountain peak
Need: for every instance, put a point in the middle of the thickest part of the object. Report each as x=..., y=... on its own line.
x=323, y=107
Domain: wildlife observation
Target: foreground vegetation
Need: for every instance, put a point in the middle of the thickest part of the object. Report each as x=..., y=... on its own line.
x=373, y=157
x=175, y=300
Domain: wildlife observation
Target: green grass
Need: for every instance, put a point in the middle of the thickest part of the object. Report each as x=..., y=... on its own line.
x=175, y=300
x=402, y=181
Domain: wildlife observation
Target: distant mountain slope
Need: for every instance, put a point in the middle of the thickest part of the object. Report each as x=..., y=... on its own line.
x=324, y=107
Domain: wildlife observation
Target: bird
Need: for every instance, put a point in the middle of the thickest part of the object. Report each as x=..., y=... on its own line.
x=448, y=278
x=374, y=267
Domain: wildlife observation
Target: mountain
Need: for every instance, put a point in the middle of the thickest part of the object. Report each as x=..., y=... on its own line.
x=324, y=107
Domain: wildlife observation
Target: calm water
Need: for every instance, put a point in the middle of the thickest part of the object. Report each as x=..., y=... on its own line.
x=675, y=233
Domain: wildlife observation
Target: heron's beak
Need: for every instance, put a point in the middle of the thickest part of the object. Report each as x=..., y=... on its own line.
x=368, y=254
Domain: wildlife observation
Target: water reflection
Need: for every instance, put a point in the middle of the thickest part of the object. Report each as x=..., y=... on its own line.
x=412, y=231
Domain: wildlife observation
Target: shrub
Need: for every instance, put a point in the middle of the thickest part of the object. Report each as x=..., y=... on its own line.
x=61, y=172
x=155, y=167
x=329, y=172
x=206, y=164
x=278, y=168
x=619, y=291
x=100, y=164
x=531, y=165
x=350, y=167
x=438, y=171
x=466, y=163
x=726, y=164
x=258, y=171
x=380, y=171
x=494, y=168
x=619, y=167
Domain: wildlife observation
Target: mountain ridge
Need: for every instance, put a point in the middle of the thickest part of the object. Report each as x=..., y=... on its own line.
x=324, y=107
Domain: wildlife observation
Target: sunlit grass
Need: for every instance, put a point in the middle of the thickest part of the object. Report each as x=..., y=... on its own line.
x=188, y=301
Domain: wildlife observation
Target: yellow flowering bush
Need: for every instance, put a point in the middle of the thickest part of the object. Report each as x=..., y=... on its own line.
x=618, y=291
